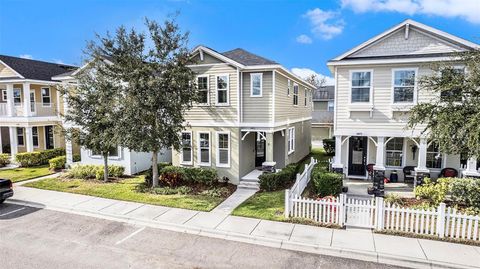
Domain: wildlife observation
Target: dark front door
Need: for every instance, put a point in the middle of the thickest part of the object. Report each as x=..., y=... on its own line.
x=357, y=156
x=49, y=137
x=259, y=150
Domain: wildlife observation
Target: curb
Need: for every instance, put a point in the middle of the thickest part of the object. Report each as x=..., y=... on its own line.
x=368, y=256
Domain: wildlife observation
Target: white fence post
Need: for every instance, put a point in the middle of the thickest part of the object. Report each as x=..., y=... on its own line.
x=341, y=208
x=379, y=210
x=287, y=203
x=297, y=180
x=441, y=220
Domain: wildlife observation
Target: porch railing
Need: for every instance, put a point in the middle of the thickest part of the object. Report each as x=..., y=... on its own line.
x=37, y=109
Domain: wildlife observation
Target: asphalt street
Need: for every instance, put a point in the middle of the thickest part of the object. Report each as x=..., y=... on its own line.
x=39, y=238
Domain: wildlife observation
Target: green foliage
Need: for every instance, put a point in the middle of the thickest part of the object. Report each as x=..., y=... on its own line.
x=466, y=191
x=148, y=173
x=326, y=183
x=279, y=180
x=182, y=190
x=4, y=159
x=329, y=146
x=393, y=199
x=434, y=192
x=57, y=162
x=217, y=192
x=28, y=159
x=94, y=171
x=173, y=176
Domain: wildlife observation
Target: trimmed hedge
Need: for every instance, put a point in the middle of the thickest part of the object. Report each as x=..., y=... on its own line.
x=4, y=159
x=80, y=171
x=329, y=146
x=59, y=162
x=280, y=180
x=173, y=176
x=326, y=183
x=27, y=159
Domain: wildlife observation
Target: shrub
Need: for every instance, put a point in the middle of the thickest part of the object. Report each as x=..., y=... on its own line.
x=435, y=193
x=4, y=159
x=393, y=199
x=57, y=162
x=77, y=157
x=172, y=176
x=466, y=191
x=329, y=146
x=182, y=190
x=94, y=171
x=279, y=180
x=204, y=176
x=176, y=176
x=148, y=173
x=326, y=183
x=27, y=159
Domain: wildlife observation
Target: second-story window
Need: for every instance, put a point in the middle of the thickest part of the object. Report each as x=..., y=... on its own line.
x=46, y=98
x=256, y=84
x=289, y=85
x=403, y=86
x=361, y=86
x=222, y=89
x=295, y=94
x=17, y=97
x=331, y=105
x=305, y=97
x=455, y=74
x=203, y=93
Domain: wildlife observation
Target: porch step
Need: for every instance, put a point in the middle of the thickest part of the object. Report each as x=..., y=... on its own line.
x=244, y=184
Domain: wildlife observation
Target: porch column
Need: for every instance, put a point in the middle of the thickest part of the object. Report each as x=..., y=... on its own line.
x=269, y=149
x=10, y=104
x=337, y=161
x=471, y=170
x=13, y=141
x=69, y=152
x=26, y=100
x=29, y=138
x=421, y=168
x=380, y=161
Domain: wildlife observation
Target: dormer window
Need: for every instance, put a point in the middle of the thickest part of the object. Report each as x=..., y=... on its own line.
x=404, y=86
x=361, y=86
x=203, y=93
x=256, y=84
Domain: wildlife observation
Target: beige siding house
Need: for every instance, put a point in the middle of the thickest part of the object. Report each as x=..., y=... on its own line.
x=322, y=115
x=376, y=85
x=253, y=112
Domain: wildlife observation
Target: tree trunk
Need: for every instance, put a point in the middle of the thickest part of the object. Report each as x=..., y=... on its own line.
x=155, y=169
x=105, y=167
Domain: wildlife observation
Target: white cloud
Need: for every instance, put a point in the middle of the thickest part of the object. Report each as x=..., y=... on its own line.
x=325, y=24
x=306, y=72
x=466, y=9
x=304, y=39
x=26, y=56
x=58, y=61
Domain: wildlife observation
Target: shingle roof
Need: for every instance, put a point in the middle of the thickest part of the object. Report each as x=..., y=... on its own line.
x=247, y=58
x=324, y=93
x=33, y=69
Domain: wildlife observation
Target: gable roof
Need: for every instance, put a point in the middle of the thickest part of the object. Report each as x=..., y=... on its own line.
x=324, y=93
x=446, y=37
x=247, y=58
x=33, y=69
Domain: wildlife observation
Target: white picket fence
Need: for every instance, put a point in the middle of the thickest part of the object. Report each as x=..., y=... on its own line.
x=302, y=179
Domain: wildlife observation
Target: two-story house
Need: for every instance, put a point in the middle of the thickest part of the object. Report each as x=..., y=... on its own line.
x=252, y=112
x=376, y=84
x=322, y=115
x=30, y=105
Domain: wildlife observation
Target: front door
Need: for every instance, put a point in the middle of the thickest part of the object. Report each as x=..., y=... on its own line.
x=357, y=156
x=259, y=150
x=49, y=144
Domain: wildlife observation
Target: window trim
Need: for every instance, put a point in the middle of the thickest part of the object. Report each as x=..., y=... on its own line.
x=333, y=105
x=217, y=161
x=227, y=90
x=404, y=150
x=442, y=164
x=208, y=89
x=305, y=97
x=415, y=91
x=251, y=84
x=38, y=137
x=291, y=140
x=20, y=96
x=49, y=96
x=295, y=94
x=22, y=144
x=96, y=156
x=191, y=149
x=361, y=104
x=199, y=148
x=289, y=85
x=4, y=95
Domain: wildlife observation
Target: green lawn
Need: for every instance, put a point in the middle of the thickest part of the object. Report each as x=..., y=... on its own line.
x=126, y=190
x=25, y=173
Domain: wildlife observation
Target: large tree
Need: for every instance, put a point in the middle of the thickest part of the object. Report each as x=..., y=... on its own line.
x=92, y=110
x=158, y=86
x=452, y=118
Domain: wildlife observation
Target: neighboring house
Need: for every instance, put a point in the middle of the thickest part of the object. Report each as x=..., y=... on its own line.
x=253, y=111
x=376, y=84
x=30, y=105
x=322, y=116
x=134, y=162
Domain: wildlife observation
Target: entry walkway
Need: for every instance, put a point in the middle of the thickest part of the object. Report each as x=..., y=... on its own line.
x=355, y=244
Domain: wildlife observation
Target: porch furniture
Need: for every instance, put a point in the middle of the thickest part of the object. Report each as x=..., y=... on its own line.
x=370, y=171
x=394, y=176
x=408, y=173
x=448, y=172
x=269, y=167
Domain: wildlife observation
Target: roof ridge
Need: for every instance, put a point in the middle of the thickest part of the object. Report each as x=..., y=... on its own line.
x=40, y=61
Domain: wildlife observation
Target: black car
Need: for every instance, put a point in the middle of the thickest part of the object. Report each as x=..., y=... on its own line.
x=6, y=189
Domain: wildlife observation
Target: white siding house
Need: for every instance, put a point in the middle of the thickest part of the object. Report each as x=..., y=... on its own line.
x=377, y=83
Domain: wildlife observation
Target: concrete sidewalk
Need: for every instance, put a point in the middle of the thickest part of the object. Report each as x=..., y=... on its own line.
x=350, y=243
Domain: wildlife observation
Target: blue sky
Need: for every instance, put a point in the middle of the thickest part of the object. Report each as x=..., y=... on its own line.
x=298, y=34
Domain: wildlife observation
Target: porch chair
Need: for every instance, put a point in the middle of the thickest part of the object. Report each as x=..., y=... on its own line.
x=408, y=174
x=448, y=172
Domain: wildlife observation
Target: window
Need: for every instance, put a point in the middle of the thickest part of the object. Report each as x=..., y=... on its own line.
x=187, y=151
x=456, y=74
x=361, y=87
x=256, y=85
x=20, y=136
x=46, y=97
x=223, y=150
x=434, y=157
x=289, y=85
x=331, y=105
x=295, y=94
x=403, y=86
x=305, y=99
x=35, y=136
x=17, y=97
x=203, y=92
x=4, y=95
x=222, y=90
x=204, y=148
x=291, y=140
x=394, y=152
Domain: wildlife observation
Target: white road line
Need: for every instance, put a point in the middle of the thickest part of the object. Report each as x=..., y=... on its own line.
x=130, y=235
x=11, y=212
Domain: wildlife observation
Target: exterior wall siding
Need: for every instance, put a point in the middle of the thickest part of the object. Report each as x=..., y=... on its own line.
x=284, y=108
x=257, y=109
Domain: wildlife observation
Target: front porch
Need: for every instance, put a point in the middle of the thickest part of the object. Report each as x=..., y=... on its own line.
x=15, y=139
